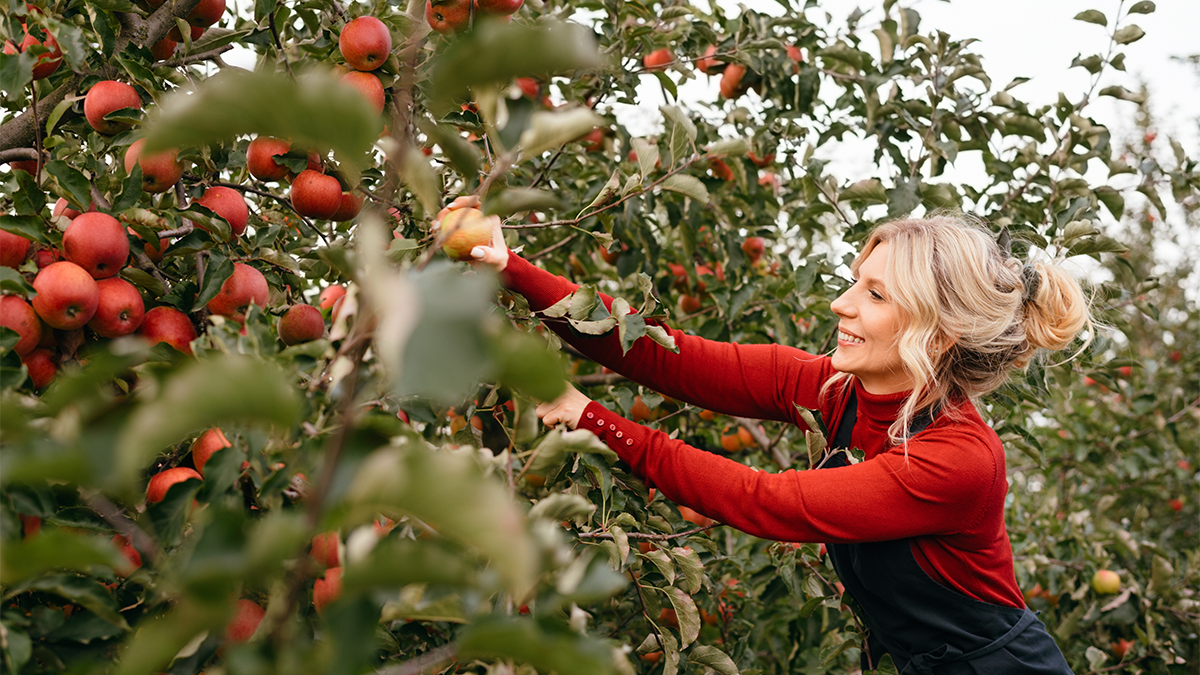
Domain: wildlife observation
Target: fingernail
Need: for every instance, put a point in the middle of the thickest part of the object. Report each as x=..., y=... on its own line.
x=477, y=252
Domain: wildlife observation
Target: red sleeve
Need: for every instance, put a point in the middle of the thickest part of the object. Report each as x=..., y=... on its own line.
x=938, y=489
x=758, y=381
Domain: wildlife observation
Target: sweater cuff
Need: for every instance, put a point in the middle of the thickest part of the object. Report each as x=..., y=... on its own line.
x=621, y=435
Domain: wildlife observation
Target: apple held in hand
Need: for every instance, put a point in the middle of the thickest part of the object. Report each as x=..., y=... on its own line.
x=244, y=287
x=316, y=195
x=1106, y=582
x=16, y=314
x=67, y=295
x=260, y=158
x=120, y=311
x=160, y=482
x=108, y=96
x=97, y=243
x=365, y=43
x=301, y=323
x=160, y=172
x=463, y=230
x=169, y=325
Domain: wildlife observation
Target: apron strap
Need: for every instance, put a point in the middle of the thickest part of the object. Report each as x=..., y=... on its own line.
x=923, y=664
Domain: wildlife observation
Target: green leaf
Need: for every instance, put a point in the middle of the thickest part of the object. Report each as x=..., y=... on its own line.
x=711, y=657
x=662, y=337
x=16, y=71
x=419, y=176
x=216, y=272
x=73, y=182
x=688, y=562
x=14, y=282
x=686, y=185
x=16, y=645
x=549, y=130
x=316, y=111
x=680, y=134
x=154, y=644
x=546, y=647
x=688, y=615
x=525, y=363
x=56, y=114
x=82, y=591
x=29, y=199
x=662, y=562
x=170, y=516
x=730, y=147
x=1128, y=34
x=215, y=37
x=201, y=395
x=31, y=227
x=610, y=192
x=1142, y=7
x=1092, y=16
x=561, y=506
x=54, y=550
x=647, y=155
x=463, y=155
x=868, y=191
x=519, y=200
x=557, y=445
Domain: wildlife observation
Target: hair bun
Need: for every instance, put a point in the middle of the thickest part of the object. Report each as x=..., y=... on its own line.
x=1055, y=307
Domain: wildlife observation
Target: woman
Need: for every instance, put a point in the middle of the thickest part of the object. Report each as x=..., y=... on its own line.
x=938, y=315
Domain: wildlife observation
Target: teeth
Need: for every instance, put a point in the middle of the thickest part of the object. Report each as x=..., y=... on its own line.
x=846, y=337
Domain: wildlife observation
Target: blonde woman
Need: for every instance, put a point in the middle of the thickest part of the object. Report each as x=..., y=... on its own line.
x=938, y=315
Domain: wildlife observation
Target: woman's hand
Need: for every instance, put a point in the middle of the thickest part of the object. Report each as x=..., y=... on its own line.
x=566, y=409
x=494, y=256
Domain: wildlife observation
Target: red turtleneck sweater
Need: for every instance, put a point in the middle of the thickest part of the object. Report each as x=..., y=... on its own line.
x=947, y=495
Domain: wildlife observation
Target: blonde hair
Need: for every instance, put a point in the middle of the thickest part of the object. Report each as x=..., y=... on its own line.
x=954, y=287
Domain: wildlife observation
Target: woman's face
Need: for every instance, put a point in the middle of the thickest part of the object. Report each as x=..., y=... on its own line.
x=869, y=329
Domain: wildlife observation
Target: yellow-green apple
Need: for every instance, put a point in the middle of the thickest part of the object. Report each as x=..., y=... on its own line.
x=369, y=86
x=330, y=295
x=13, y=249
x=1106, y=582
x=42, y=366
x=47, y=62
x=245, y=621
x=67, y=295
x=229, y=204
x=327, y=589
x=120, y=311
x=160, y=171
x=325, y=549
x=658, y=59
x=162, y=481
x=97, y=243
x=301, y=323
x=499, y=7
x=463, y=230
x=316, y=195
x=448, y=16
x=260, y=158
x=169, y=325
x=731, y=80
x=206, y=444
x=349, y=207
x=244, y=287
x=365, y=43
x=754, y=247
x=16, y=314
x=107, y=96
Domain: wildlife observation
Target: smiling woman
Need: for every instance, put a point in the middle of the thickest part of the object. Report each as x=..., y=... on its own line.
x=939, y=314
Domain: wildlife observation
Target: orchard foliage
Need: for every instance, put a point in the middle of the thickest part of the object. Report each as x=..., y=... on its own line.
x=381, y=497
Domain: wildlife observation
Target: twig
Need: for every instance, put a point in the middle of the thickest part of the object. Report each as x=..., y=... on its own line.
x=599, y=378
x=122, y=524
x=195, y=58
x=98, y=198
x=554, y=247
x=596, y=534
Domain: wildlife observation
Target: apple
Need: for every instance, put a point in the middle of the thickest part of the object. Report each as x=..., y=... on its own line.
x=330, y=295
x=499, y=7
x=1106, y=582
x=731, y=81
x=639, y=412
x=693, y=517
x=245, y=621
x=154, y=252
x=731, y=441
x=160, y=172
x=369, y=86
x=769, y=179
x=120, y=311
x=658, y=59
x=365, y=43
x=529, y=86
x=719, y=169
x=107, y=96
x=1121, y=647
x=349, y=207
x=667, y=616
x=47, y=62
x=464, y=229
x=16, y=314
x=229, y=204
x=245, y=286
x=44, y=257
x=29, y=166
x=205, y=445
x=707, y=63
x=754, y=247
x=133, y=559
x=746, y=437
x=67, y=295
x=689, y=304
x=448, y=16
x=42, y=366
x=301, y=323
x=162, y=481
x=763, y=161
x=205, y=14
x=327, y=589
x=97, y=243
x=613, y=257
x=260, y=158
x=30, y=525
x=1176, y=504
x=63, y=208
x=316, y=195
x=325, y=549
x=169, y=325
x=795, y=55
x=593, y=141
x=163, y=49
x=13, y=249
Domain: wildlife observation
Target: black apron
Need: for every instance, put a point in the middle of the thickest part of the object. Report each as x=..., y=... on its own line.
x=930, y=629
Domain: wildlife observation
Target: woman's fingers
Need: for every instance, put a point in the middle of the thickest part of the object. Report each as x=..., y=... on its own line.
x=495, y=255
x=463, y=202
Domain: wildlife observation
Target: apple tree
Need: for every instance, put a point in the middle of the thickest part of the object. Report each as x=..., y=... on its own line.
x=256, y=419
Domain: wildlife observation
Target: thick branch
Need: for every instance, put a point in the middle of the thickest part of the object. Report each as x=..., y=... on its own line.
x=18, y=154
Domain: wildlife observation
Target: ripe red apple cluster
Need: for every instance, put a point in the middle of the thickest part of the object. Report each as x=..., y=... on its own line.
x=449, y=17
x=366, y=44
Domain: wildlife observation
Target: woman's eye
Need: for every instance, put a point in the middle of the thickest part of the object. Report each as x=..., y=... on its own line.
x=875, y=295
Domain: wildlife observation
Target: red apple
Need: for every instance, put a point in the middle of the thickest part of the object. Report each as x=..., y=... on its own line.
x=529, y=86
x=763, y=161
x=754, y=247
x=330, y=295
x=658, y=59
x=301, y=323
x=325, y=549
x=707, y=63
x=120, y=311
x=316, y=195
x=163, y=49
x=327, y=589
x=13, y=248
x=499, y=7
x=365, y=43
x=160, y=482
x=369, y=86
x=731, y=80
x=206, y=444
x=47, y=62
x=169, y=325
x=67, y=295
x=463, y=230
x=44, y=257
x=260, y=158
x=133, y=559
x=593, y=141
x=719, y=169
x=63, y=208
x=349, y=207
x=245, y=286
x=97, y=243
x=154, y=252
x=29, y=166
x=160, y=172
x=1175, y=504
x=690, y=304
x=229, y=204
x=107, y=96
x=16, y=314
x=448, y=16
x=245, y=621
x=205, y=14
